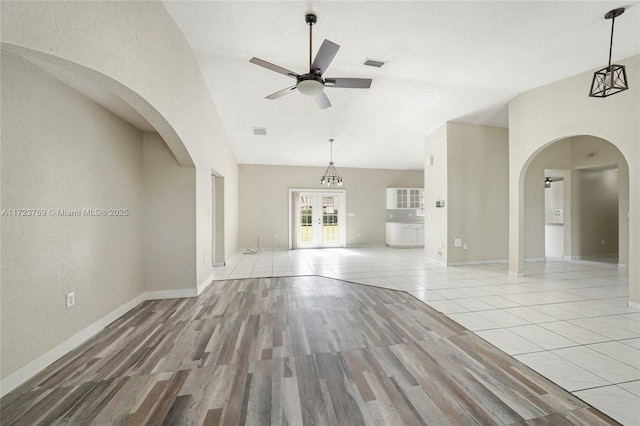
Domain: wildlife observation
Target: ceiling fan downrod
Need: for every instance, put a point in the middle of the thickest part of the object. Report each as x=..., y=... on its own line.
x=310, y=19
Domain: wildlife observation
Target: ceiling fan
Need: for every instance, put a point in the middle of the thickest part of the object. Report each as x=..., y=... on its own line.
x=313, y=83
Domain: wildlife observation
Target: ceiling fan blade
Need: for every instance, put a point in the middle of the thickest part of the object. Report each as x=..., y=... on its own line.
x=352, y=83
x=322, y=100
x=281, y=93
x=325, y=55
x=273, y=67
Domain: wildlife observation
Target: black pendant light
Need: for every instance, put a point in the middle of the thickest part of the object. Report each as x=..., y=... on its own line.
x=331, y=176
x=613, y=78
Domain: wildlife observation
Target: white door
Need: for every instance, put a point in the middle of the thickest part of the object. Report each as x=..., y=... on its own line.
x=320, y=219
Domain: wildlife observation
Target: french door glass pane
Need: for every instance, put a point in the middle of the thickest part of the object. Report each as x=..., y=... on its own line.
x=306, y=219
x=330, y=230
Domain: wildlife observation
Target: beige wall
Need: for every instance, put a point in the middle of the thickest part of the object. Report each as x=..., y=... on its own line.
x=470, y=173
x=435, y=185
x=135, y=52
x=168, y=223
x=264, y=192
x=563, y=109
x=478, y=158
x=595, y=195
x=62, y=151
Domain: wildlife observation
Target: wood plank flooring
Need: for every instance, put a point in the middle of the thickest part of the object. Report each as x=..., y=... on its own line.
x=290, y=351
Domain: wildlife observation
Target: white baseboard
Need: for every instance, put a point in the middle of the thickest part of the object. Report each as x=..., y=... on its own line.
x=595, y=256
x=21, y=375
x=171, y=294
x=436, y=261
x=516, y=274
x=479, y=262
x=29, y=370
x=623, y=266
x=633, y=304
x=535, y=259
x=204, y=284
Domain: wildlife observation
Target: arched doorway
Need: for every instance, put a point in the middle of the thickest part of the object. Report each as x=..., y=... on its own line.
x=576, y=192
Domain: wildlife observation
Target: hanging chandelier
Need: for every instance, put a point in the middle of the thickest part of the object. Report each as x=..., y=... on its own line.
x=331, y=176
x=613, y=78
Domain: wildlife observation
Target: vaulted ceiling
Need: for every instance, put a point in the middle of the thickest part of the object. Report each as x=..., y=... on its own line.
x=445, y=61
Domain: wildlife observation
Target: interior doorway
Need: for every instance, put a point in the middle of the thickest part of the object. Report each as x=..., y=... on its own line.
x=317, y=219
x=577, y=202
x=554, y=200
x=217, y=220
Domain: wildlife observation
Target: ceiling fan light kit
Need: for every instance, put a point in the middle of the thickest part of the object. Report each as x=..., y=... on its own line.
x=611, y=79
x=310, y=86
x=313, y=83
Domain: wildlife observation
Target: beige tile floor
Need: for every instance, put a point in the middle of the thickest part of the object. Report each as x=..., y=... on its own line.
x=567, y=320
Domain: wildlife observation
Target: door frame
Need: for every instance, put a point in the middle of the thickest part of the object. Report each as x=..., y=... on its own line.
x=342, y=212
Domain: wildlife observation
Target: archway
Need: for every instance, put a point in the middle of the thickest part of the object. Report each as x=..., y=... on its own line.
x=93, y=80
x=595, y=189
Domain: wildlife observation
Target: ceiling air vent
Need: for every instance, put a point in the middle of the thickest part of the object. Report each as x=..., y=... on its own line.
x=373, y=63
x=259, y=131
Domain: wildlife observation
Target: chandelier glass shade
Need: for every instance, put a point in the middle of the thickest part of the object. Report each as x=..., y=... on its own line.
x=331, y=175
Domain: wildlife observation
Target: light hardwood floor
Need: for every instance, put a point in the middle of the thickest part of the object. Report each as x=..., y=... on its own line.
x=290, y=351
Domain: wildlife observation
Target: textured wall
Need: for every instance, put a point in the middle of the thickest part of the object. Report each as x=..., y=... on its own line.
x=596, y=212
x=478, y=191
x=62, y=151
x=169, y=227
x=138, y=45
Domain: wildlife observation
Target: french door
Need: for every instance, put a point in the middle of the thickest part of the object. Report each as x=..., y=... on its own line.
x=318, y=219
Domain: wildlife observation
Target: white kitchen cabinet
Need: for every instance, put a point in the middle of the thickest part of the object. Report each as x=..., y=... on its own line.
x=401, y=234
x=555, y=217
x=405, y=198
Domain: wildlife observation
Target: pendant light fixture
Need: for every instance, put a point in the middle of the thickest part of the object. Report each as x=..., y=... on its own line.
x=331, y=176
x=613, y=78
x=547, y=182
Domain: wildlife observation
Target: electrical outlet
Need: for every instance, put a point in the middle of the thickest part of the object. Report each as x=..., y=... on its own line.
x=602, y=241
x=71, y=299
x=465, y=246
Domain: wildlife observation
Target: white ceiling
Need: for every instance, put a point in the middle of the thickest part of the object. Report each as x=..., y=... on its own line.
x=447, y=61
